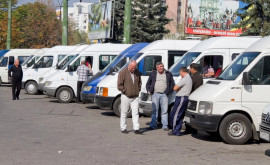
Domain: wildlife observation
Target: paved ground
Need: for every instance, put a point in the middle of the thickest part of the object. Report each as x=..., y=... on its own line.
x=37, y=130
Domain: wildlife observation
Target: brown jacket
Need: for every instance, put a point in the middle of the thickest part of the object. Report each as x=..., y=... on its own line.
x=125, y=84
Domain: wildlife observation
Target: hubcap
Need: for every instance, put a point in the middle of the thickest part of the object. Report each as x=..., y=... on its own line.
x=64, y=95
x=237, y=129
x=31, y=88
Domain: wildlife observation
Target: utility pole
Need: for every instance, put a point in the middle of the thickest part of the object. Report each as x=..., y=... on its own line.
x=65, y=23
x=127, y=22
x=9, y=25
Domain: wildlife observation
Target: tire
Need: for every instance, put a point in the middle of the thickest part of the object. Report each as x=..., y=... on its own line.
x=235, y=129
x=31, y=88
x=117, y=108
x=64, y=95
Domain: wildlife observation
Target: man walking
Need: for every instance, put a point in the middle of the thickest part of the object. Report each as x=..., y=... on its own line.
x=16, y=78
x=183, y=88
x=197, y=79
x=160, y=84
x=82, y=71
x=129, y=83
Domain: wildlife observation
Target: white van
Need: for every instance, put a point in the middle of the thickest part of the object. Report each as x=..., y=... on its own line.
x=167, y=51
x=218, y=51
x=63, y=84
x=8, y=59
x=43, y=65
x=232, y=104
x=265, y=124
x=42, y=79
x=33, y=58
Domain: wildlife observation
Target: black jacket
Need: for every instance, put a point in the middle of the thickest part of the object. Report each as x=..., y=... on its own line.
x=17, y=73
x=150, y=85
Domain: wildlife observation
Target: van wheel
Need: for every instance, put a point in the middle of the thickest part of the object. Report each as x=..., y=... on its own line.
x=31, y=88
x=235, y=129
x=64, y=95
x=117, y=108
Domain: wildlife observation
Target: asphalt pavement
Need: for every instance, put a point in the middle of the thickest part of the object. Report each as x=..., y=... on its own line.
x=37, y=130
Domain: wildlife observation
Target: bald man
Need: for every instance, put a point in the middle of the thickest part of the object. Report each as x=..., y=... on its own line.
x=129, y=83
x=16, y=78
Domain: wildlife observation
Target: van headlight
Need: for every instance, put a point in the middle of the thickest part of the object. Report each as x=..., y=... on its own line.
x=205, y=107
x=103, y=91
x=48, y=83
x=87, y=88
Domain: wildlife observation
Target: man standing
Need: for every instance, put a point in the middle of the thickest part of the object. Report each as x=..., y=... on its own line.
x=82, y=71
x=197, y=79
x=129, y=83
x=160, y=84
x=183, y=88
x=16, y=78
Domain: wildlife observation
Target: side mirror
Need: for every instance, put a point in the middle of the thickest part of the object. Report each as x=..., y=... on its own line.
x=35, y=65
x=246, y=79
x=28, y=65
x=57, y=66
x=69, y=68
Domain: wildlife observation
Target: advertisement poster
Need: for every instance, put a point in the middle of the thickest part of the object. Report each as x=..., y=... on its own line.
x=213, y=17
x=100, y=18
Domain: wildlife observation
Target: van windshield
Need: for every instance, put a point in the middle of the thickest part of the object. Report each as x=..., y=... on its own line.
x=72, y=59
x=239, y=64
x=45, y=62
x=3, y=61
x=113, y=63
x=185, y=61
x=65, y=60
x=138, y=55
x=27, y=60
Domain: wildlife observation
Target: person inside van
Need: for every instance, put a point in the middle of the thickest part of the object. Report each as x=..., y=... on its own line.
x=88, y=62
x=208, y=71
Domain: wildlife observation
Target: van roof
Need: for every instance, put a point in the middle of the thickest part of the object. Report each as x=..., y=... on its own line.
x=225, y=43
x=21, y=51
x=107, y=47
x=61, y=49
x=260, y=46
x=170, y=45
x=81, y=48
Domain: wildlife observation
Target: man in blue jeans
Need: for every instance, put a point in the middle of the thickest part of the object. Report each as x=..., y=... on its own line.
x=160, y=84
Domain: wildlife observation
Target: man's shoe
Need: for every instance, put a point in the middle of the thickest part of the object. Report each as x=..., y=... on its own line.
x=165, y=129
x=150, y=128
x=170, y=133
x=138, y=131
x=125, y=131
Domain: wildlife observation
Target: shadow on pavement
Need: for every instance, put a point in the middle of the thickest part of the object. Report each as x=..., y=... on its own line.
x=92, y=107
x=30, y=98
x=267, y=152
x=108, y=113
x=206, y=137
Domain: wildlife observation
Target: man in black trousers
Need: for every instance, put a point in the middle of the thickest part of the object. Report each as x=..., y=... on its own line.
x=16, y=79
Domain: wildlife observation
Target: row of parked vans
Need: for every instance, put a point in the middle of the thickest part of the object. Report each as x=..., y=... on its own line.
x=229, y=104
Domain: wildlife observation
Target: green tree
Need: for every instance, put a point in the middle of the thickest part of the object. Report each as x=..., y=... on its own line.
x=149, y=20
x=255, y=18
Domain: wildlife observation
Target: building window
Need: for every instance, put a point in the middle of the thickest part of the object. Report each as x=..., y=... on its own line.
x=179, y=4
x=84, y=21
x=84, y=27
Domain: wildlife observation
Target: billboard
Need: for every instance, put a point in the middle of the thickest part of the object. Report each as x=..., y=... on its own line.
x=213, y=17
x=100, y=20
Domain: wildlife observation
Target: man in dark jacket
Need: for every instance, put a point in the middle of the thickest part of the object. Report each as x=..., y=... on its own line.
x=197, y=79
x=160, y=84
x=129, y=83
x=16, y=78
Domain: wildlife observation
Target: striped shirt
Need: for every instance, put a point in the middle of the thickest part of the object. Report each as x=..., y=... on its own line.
x=82, y=72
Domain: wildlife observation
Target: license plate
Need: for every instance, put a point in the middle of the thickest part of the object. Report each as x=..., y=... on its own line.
x=187, y=119
x=265, y=136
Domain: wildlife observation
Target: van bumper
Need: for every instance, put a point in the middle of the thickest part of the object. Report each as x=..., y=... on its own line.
x=203, y=122
x=104, y=102
x=49, y=91
x=88, y=97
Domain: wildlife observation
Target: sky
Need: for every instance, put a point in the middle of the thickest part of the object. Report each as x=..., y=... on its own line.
x=56, y=2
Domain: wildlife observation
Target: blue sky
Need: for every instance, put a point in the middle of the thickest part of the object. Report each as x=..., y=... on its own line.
x=70, y=2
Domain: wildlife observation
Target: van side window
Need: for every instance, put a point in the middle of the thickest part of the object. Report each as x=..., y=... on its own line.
x=148, y=64
x=215, y=62
x=3, y=62
x=260, y=73
x=104, y=60
x=22, y=58
x=234, y=55
x=174, y=56
x=87, y=59
x=11, y=60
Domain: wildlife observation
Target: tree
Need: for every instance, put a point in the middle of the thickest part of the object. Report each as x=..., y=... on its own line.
x=149, y=20
x=255, y=18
